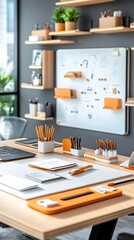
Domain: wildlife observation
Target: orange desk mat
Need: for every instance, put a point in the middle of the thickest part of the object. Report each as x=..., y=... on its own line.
x=94, y=197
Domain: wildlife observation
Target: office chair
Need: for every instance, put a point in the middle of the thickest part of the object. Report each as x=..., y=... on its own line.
x=125, y=236
x=12, y=127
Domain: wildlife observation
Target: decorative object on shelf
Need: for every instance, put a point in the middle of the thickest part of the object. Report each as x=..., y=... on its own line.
x=71, y=16
x=37, y=57
x=107, y=21
x=39, y=34
x=126, y=21
x=47, y=30
x=33, y=107
x=57, y=18
x=48, y=109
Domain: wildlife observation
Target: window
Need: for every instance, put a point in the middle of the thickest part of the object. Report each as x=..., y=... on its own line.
x=8, y=57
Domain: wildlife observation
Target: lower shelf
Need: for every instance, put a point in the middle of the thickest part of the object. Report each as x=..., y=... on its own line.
x=27, y=115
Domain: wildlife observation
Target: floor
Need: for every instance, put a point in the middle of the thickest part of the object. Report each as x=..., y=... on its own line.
x=125, y=224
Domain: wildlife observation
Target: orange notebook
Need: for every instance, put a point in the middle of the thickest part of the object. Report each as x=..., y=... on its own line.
x=71, y=199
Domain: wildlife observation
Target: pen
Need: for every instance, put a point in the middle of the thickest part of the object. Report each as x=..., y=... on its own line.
x=80, y=170
x=76, y=196
x=121, y=181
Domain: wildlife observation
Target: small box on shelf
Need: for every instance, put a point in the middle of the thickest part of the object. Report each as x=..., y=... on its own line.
x=108, y=22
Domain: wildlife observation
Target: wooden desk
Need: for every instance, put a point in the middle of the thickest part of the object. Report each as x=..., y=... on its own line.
x=14, y=212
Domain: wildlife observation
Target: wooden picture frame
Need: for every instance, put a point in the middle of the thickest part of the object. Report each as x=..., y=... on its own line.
x=37, y=57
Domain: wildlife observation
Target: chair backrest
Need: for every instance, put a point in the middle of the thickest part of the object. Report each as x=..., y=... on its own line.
x=12, y=127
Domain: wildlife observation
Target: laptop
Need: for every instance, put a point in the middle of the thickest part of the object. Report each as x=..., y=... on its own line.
x=10, y=153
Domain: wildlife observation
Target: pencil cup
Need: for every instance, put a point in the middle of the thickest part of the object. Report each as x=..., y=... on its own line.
x=45, y=147
x=78, y=152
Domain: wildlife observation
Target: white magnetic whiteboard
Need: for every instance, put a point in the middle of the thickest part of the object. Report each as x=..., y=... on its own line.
x=103, y=76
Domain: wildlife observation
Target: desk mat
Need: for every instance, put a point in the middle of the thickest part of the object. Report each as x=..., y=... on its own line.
x=89, y=196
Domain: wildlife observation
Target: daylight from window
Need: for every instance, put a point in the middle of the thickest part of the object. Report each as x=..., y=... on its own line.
x=8, y=94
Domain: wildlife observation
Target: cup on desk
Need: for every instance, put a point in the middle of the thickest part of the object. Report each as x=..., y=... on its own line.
x=46, y=146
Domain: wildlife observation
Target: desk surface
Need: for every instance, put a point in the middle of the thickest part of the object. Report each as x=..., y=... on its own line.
x=16, y=213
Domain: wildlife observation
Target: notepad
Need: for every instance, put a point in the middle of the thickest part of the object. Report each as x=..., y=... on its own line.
x=19, y=184
x=52, y=164
x=42, y=176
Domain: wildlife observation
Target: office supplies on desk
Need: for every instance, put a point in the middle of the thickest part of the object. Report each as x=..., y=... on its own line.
x=80, y=170
x=19, y=184
x=10, y=153
x=33, y=142
x=52, y=164
x=100, y=158
x=41, y=177
x=121, y=181
x=71, y=199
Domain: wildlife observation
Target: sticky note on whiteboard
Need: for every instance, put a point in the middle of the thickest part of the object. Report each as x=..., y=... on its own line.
x=116, y=52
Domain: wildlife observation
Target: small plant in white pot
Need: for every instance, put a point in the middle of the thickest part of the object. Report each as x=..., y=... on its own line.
x=57, y=18
x=70, y=15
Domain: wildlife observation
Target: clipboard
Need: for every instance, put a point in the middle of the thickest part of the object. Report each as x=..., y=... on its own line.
x=71, y=199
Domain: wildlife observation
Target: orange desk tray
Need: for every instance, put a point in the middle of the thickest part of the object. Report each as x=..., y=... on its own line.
x=88, y=197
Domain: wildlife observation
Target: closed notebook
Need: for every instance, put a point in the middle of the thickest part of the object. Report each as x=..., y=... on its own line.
x=52, y=164
x=42, y=176
x=19, y=184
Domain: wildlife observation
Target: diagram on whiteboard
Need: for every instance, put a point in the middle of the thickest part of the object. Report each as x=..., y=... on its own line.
x=91, y=89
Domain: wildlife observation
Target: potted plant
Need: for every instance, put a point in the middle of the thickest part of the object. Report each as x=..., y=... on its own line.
x=70, y=16
x=57, y=18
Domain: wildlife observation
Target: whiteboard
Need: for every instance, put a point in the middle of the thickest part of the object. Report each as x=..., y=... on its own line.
x=103, y=73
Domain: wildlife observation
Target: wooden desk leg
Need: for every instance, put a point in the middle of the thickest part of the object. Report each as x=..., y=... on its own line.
x=103, y=231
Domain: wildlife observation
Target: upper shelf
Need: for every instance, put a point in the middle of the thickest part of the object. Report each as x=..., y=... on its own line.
x=81, y=2
x=30, y=86
x=70, y=33
x=120, y=29
x=50, y=42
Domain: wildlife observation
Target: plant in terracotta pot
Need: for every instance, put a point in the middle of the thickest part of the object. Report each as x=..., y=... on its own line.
x=57, y=18
x=70, y=16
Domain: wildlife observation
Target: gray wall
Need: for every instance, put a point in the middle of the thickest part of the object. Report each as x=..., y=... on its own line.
x=40, y=11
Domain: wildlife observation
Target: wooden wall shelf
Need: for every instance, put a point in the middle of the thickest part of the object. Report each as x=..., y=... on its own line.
x=120, y=29
x=70, y=33
x=81, y=2
x=50, y=42
x=30, y=86
x=27, y=115
x=35, y=67
x=46, y=71
x=130, y=102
